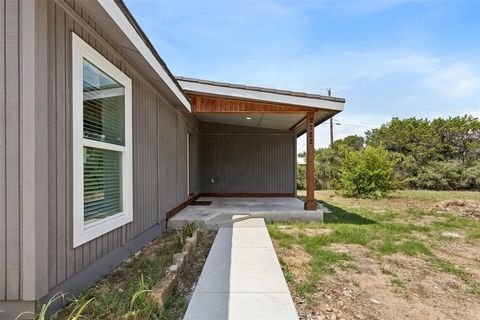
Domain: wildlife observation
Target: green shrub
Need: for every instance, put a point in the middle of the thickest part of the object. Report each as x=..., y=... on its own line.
x=431, y=179
x=447, y=175
x=406, y=169
x=471, y=178
x=366, y=173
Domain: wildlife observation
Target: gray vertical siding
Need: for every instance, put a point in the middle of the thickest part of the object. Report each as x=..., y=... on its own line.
x=158, y=157
x=3, y=224
x=244, y=159
x=194, y=161
x=10, y=263
x=181, y=175
x=167, y=157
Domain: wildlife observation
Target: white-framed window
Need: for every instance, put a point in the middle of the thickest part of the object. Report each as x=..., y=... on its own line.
x=102, y=144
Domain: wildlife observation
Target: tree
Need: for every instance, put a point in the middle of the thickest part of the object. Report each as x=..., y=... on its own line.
x=366, y=173
x=353, y=142
x=439, y=154
x=301, y=176
x=459, y=138
x=410, y=136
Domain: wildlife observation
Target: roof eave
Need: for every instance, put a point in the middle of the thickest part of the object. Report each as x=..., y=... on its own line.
x=119, y=13
x=263, y=94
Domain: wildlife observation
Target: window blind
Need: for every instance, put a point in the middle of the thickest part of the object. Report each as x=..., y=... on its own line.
x=104, y=121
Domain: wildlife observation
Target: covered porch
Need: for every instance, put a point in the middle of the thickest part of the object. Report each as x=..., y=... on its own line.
x=247, y=151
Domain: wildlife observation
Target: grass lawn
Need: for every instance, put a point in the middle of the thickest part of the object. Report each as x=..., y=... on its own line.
x=407, y=256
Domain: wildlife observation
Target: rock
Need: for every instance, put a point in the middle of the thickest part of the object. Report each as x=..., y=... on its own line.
x=347, y=293
x=450, y=234
x=375, y=301
x=162, y=290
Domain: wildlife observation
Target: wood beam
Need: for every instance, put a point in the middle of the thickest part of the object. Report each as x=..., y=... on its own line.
x=216, y=104
x=310, y=202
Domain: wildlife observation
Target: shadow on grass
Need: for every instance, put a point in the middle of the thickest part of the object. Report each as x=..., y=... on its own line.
x=339, y=215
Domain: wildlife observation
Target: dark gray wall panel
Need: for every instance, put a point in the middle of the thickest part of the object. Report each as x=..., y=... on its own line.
x=182, y=132
x=3, y=225
x=10, y=262
x=243, y=159
x=167, y=158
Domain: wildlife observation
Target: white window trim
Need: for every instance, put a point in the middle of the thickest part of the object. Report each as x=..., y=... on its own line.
x=188, y=164
x=82, y=232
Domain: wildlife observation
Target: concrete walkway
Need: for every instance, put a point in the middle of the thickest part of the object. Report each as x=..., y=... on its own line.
x=221, y=210
x=242, y=278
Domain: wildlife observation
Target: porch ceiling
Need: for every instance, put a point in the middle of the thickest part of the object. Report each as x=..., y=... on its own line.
x=257, y=107
x=260, y=120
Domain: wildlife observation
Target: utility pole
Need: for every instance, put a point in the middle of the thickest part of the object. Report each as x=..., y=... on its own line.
x=331, y=132
x=329, y=91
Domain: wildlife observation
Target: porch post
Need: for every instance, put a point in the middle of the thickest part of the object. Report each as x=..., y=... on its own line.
x=310, y=203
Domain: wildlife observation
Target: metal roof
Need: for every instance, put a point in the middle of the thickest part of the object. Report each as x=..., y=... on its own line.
x=262, y=89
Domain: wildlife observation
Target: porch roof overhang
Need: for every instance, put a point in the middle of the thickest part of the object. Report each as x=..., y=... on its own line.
x=256, y=106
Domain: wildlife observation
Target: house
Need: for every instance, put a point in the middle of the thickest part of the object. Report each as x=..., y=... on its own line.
x=100, y=143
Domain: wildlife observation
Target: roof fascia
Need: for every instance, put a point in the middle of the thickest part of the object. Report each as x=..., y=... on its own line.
x=117, y=15
x=201, y=88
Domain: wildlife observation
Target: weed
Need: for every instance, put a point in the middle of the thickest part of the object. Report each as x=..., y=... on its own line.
x=286, y=272
x=397, y=283
x=185, y=232
x=448, y=267
x=387, y=271
x=76, y=314
x=139, y=306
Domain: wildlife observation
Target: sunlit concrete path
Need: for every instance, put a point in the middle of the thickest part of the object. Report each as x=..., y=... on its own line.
x=242, y=278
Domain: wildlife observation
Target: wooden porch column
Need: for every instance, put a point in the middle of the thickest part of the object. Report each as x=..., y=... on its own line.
x=310, y=203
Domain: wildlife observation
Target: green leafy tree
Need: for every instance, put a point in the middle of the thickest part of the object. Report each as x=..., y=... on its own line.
x=353, y=142
x=442, y=154
x=301, y=176
x=406, y=170
x=411, y=136
x=459, y=138
x=366, y=173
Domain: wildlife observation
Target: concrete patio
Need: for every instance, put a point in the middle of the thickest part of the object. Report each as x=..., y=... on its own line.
x=222, y=209
x=242, y=278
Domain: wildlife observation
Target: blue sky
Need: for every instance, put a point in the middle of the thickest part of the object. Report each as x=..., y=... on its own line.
x=387, y=58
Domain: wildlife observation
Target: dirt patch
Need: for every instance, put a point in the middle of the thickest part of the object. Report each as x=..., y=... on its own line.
x=465, y=208
x=388, y=287
x=309, y=232
x=296, y=261
x=464, y=256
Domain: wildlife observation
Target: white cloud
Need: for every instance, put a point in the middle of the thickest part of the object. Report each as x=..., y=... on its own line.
x=454, y=80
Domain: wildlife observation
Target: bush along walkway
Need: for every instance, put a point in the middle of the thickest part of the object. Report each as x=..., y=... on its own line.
x=136, y=289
